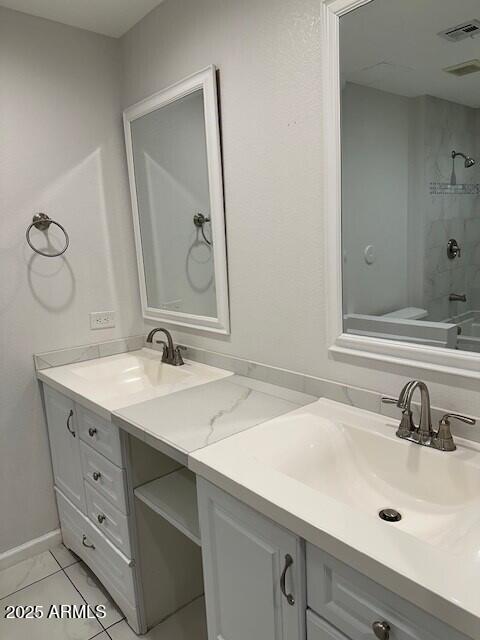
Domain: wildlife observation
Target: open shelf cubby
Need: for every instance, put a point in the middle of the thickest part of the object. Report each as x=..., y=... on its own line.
x=174, y=497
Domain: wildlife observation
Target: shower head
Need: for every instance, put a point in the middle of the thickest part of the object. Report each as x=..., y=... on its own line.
x=469, y=162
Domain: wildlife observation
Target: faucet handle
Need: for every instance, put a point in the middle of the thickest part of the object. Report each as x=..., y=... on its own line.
x=406, y=427
x=387, y=400
x=443, y=439
x=178, y=360
x=458, y=416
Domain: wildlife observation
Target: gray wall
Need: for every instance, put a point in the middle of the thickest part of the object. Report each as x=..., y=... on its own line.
x=61, y=152
x=375, y=195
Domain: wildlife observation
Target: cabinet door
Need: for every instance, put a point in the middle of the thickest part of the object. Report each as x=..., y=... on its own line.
x=244, y=556
x=65, y=446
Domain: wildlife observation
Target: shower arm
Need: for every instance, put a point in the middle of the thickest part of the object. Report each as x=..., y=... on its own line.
x=458, y=153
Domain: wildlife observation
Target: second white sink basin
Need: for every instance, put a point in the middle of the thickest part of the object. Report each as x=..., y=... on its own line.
x=358, y=460
x=354, y=458
x=117, y=381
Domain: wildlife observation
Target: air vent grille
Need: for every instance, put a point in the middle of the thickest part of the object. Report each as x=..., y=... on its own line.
x=464, y=68
x=462, y=31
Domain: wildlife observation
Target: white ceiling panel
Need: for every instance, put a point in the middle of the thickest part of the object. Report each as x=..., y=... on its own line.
x=110, y=17
x=394, y=46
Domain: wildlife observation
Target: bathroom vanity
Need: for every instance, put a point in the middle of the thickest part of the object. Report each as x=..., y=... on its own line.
x=283, y=546
x=121, y=429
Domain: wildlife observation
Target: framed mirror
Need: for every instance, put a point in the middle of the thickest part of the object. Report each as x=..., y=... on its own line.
x=175, y=172
x=402, y=151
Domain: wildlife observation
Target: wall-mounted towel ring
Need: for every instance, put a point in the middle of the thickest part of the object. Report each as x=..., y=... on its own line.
x=199, y=220
x=42, y=222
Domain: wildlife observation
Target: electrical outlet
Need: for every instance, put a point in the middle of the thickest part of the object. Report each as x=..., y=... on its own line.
x=102, y=319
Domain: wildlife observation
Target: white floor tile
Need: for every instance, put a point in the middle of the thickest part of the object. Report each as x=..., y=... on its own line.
x=64, y=556
x=188, y=624
x=93, y=592
x=55, y=589
x=26, y=572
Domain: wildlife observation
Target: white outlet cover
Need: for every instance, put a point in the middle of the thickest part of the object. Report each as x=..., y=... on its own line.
x=102, y=320
x=370, y=254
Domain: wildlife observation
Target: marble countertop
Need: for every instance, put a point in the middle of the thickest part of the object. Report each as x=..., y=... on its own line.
x=186, y=421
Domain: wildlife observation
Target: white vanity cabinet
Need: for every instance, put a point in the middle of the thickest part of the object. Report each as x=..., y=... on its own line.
x=65, y=446
x=90, y=484
x=245, y=556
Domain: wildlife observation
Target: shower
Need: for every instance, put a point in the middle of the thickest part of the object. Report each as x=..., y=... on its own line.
x=469, y=162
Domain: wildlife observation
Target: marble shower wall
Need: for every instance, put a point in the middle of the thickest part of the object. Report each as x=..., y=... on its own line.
x=449, y=126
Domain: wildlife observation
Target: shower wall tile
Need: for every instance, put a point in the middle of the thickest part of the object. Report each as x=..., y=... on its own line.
x=448, y=126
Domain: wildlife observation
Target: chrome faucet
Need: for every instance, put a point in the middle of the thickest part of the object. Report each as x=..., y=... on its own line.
x=171, y=353
x=424, y=434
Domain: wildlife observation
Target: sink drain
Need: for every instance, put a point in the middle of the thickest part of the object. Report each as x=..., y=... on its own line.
x=390, y=515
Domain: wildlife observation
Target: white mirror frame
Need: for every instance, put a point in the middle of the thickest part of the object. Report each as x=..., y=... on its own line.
x=206, y=80
x=348, y=346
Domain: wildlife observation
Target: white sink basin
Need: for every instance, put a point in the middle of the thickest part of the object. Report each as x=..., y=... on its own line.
x=118, y=381
x=358, y=460
x=354, y=458
x=133, y=371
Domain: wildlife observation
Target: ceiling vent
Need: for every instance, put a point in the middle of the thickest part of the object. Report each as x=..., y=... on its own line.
x=464, y=68
x=462, y=31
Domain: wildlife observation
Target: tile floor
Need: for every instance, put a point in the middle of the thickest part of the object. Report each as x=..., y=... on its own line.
x=59, y=577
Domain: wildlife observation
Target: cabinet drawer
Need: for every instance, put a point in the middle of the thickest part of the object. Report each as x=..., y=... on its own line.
x=318, y=629
x=353, y=603
x=110, y=566
x=100, y=434
x=111, y=522
x=107, y=478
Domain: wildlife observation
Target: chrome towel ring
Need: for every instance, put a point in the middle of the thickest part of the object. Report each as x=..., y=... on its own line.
x=199, y=220
x=42, y=222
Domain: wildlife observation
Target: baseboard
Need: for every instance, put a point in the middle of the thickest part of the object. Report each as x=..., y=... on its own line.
x=30, y=549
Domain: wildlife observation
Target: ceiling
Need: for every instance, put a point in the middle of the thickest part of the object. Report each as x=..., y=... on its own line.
x=110, y=17
x=393, y=46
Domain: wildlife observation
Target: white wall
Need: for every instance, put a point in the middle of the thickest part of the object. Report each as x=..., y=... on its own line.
x=61, y=152
x=268, y=54
x=375, y=194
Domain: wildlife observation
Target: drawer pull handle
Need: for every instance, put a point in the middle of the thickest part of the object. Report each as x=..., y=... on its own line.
x=96, y=475
x=381, y=630
x=288, y=564
x=84, y=542
x=92, y=431
x=101, y=517
x=70, y=416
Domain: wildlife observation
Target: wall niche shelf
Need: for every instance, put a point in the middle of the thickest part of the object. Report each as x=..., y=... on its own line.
x=174, y=497
x=445, y=188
